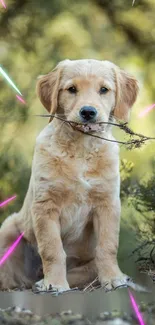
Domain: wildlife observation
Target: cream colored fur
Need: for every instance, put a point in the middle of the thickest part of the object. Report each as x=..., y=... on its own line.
x=71, y=212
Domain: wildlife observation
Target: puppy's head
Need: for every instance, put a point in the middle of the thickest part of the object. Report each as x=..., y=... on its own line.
x=88, y=91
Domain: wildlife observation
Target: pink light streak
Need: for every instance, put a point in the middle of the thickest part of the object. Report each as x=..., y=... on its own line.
x=7, y=201
x=11, y=249
x=3, y=3
x=20, y=99
x=135, y=307
x=146, y=110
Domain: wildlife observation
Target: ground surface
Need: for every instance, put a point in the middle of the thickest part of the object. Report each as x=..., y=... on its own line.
x=17, y=316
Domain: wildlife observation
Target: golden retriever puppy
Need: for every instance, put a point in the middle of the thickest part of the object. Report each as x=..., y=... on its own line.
x=71, y=212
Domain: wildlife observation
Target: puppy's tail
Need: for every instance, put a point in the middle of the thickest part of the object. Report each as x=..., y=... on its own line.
x=13, y=272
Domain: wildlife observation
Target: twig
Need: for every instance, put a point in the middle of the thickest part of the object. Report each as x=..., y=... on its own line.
x=146, y=243
x=151, y=255
x=123, y=126
x=62, y=119
x=95, y=288
x=90, y=284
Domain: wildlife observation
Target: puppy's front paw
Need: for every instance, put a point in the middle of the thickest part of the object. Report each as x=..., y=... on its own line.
x=122, y=280
x=44, y=285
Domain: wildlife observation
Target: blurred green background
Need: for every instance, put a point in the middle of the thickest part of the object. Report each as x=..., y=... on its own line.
x=34, y=36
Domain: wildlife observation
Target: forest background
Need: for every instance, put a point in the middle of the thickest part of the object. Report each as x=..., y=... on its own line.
x=34, y=36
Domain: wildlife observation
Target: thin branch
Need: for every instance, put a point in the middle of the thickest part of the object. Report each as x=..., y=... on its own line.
x=90, y=284
x=151, y=255
x=78, y=123
x=134, y=143
x=140, y=247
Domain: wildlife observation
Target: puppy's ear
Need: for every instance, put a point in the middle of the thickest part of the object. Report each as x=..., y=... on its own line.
x=126, y=94
x=48, y=89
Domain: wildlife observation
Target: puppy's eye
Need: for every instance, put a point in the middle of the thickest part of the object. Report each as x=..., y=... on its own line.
x=103, y=90
x=72, y=90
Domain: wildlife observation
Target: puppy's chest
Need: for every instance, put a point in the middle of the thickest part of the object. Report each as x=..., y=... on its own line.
x=84, y=181
x=80, y=172
x=87, y=171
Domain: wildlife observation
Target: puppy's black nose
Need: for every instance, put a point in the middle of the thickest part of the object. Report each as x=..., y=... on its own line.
x=88, y=113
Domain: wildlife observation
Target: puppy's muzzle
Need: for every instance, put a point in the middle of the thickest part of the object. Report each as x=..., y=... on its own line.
x=88, y=114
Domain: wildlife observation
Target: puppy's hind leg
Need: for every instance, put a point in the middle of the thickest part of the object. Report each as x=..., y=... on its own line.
x=83, y=275
x=12, y=270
